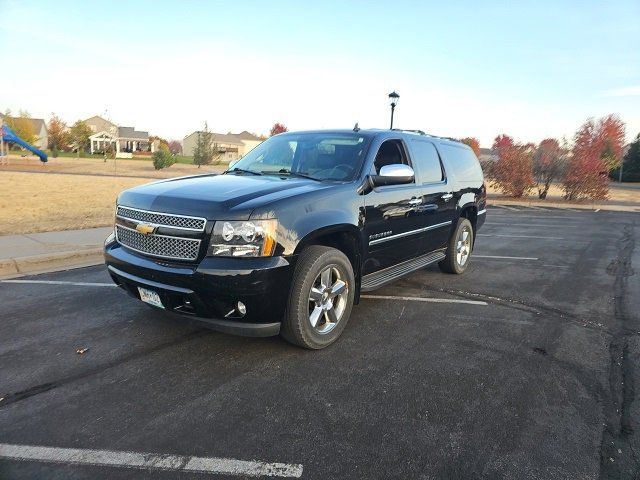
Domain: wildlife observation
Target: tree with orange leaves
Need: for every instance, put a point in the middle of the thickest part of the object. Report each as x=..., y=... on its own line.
x=473, y=143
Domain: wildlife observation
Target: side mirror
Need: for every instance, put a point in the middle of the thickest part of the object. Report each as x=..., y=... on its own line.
x=396, y=174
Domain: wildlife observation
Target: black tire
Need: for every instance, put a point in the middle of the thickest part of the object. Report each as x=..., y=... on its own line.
x=297, y=325
x=450, y=264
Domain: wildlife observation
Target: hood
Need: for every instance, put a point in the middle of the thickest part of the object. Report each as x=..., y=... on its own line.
x=232, y=197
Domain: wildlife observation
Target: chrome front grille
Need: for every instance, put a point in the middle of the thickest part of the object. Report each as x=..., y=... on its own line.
x=163, y=246
x=162, y=219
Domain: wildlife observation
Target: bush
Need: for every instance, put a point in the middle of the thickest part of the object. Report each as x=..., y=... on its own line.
x=162, y=159
x=586, y=173
x=549, y=163
x=512, y=173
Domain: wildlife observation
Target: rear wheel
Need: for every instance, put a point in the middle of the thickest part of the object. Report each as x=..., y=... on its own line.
x=321, y=298
x=459, y=248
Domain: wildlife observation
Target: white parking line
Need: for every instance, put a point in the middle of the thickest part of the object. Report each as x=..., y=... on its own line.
x=557, y=217
x=518, y=236
x=52, y=282
x=508, y=208
x=531, y=225
x=423, y=299
x=150, y=461
x=505, y=258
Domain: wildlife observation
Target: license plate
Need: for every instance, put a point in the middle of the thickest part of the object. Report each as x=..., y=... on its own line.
x=150, y=297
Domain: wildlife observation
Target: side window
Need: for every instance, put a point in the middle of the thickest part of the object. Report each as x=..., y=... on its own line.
x=390, y=153
x=464, y=163
x=426, y=158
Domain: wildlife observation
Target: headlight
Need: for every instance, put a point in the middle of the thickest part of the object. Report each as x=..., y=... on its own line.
x=252, y=238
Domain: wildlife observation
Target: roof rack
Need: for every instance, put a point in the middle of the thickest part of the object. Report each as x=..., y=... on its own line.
x=420, y=132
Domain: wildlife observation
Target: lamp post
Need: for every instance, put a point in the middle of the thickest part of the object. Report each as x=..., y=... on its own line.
x=394, y=98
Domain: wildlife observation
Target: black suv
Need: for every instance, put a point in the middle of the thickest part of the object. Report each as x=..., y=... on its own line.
x=287, y=238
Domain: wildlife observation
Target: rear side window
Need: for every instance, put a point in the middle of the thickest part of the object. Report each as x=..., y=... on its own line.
x=425, y=157
x=463, y=161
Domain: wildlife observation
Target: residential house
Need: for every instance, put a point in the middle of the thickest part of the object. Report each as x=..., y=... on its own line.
x=39, y=128
x=125, y=140
x=227, y=147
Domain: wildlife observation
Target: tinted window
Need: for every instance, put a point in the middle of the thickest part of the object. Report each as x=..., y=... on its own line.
x=464, y=163
x=425, y=157
x=390, y=153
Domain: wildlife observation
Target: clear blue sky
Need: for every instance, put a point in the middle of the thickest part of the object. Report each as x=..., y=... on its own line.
x=529, y=69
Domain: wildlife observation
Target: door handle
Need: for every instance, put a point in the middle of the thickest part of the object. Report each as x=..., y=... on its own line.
x=415, y=201
x=447, y=196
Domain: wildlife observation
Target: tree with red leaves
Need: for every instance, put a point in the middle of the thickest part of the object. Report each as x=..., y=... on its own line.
x=611, y=133
x=175, y=147
x=58, y=135
x=597, y=149
x=278, y=128
x=512, y=172
x=473, y=143
x=549, y=161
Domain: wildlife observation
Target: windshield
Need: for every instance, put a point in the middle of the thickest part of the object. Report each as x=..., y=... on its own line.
x=321, y=156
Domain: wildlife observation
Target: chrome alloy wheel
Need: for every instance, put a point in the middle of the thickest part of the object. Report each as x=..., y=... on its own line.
x=327, y=300
x=463, y=246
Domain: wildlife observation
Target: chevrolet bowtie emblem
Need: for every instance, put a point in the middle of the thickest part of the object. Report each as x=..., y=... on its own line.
x=146, y=229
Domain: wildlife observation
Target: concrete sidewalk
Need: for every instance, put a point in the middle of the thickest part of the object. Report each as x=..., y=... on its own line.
x=39, y=252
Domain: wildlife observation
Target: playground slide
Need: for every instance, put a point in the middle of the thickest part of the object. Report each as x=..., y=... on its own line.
x=9, y=136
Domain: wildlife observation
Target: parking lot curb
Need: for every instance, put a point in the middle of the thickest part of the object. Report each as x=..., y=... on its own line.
x=497, y=200
x=50, y=262
x=8, y=267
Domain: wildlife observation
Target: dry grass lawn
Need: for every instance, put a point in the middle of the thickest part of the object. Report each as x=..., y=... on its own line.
x=93, y=166
x=41, y=203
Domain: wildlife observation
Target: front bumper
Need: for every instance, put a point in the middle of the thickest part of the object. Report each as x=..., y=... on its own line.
x=210, y=289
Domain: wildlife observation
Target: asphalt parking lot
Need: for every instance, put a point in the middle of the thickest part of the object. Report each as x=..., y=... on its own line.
x=524, y=367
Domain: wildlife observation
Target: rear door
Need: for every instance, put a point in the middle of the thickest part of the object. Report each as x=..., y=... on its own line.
x=437, y=201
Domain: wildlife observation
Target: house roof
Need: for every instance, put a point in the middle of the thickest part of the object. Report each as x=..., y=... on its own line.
x=36, y=123
x=231, y=138
x=98, y=117
x=131, y=132
x=247, y=136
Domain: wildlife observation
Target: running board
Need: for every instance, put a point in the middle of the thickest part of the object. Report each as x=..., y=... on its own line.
x=376, y=280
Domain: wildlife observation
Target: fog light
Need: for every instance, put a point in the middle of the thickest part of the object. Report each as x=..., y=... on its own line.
x=241, y=308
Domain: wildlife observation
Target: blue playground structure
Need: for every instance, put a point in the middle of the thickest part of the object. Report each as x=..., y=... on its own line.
x=8, y=135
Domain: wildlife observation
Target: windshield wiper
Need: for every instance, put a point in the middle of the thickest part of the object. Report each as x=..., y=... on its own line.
x=285, y=171
x=242, y=170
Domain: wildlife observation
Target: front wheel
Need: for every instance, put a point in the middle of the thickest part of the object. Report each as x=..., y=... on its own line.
x=321, y=298
x=459, y=248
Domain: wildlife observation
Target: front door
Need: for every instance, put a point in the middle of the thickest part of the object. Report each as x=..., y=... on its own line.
x=393, y=215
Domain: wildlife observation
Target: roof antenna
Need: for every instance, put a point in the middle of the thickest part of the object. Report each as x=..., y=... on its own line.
x=356, y=128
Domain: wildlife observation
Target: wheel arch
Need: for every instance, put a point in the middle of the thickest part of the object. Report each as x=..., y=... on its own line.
x=344, y=237
x=470, y=212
